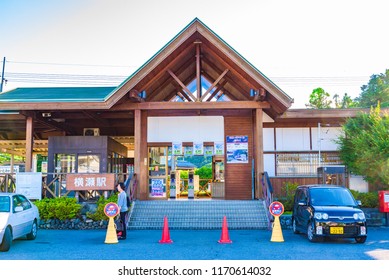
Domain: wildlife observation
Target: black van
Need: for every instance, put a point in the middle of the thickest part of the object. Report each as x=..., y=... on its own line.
x=328, y=211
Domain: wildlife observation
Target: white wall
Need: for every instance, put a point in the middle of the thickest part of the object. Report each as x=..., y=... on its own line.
x=357, y=183
x=268, y=139
x=292, y=139
x=270, y=164
x=185, y=129
x=328, y=136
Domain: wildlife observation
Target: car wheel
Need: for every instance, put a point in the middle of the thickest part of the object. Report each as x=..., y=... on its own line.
x=360, y=239
x=7, y=240
x=294, y=227
x=34, y=231
x=310, y=233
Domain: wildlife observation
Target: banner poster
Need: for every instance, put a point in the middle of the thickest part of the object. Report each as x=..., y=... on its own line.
x=198, y=149
x=219, y=148
x=177, y=149
x=237, y=149
x=156, y=187
x=188, y=151
x=208, y=151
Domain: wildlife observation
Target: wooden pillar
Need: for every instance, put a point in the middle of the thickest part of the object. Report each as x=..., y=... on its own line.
x=29, y=143
x=258, y=144
x=198, y=71
x=140, y=153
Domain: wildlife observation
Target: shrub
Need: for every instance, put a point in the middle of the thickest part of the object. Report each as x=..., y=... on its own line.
x=101, y=202
x=287, y=195
x=61, y=208
x=368, y=200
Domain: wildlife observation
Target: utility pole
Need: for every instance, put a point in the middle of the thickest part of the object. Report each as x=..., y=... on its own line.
x=2, y=76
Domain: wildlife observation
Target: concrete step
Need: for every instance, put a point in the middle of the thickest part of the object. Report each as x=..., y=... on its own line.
x=194, y=214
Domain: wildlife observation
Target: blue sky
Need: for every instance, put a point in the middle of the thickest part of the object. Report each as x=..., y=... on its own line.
x=299, y=45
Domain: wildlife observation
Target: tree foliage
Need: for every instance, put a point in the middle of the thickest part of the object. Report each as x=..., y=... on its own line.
x=364, y=147
x=319, y=99
x=376, y=91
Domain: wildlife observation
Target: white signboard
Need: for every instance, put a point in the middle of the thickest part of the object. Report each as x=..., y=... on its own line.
x=29, y=184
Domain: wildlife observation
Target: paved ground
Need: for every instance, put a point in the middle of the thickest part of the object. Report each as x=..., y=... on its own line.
x=194, y=245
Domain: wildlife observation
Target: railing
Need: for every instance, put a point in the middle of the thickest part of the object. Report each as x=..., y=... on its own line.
x=267, y=192
x=7, y=182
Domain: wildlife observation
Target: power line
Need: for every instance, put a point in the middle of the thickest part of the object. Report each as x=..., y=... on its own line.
x=70, y=64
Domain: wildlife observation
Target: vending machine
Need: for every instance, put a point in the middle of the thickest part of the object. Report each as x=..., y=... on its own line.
x=173, y=185
x=191, y=185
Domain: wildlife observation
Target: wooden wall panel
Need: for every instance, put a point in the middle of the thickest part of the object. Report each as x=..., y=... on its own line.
x=238, y=177
x=279, y=182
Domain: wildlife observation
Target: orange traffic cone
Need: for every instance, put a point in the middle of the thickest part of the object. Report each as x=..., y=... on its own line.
x=165, y=232
x=225, y=238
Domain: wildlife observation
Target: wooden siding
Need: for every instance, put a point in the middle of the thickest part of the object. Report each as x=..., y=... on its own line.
x=279, y=182
x=238, y=178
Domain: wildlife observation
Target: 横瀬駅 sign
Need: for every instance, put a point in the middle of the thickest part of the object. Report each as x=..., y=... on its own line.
x=80, y=182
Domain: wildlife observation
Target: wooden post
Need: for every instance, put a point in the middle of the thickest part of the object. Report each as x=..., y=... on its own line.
x=29, y=143
x=258, y=144
x=138, y=160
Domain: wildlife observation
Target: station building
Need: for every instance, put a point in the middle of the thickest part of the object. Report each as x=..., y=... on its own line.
x=196, y=96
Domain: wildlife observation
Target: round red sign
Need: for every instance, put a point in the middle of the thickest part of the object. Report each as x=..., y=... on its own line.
x=111, y=209
x=276, y=208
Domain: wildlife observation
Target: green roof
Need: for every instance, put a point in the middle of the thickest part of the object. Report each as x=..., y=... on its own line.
x=57, y=94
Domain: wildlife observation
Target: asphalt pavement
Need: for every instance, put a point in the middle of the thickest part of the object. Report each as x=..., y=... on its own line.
x=195, y=245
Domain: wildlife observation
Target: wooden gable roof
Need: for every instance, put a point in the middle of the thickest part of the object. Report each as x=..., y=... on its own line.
x=197, y=53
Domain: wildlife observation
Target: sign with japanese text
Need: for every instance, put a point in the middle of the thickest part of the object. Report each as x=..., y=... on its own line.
x=198, y=149
x=90, y=181
x=219, y=148
x=29, y=184
x=237, y=149
x=157, y=187
x=177, y=149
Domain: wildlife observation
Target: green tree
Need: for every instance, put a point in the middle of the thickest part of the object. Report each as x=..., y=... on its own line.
x=345, y=102
x=364, y=146
x=319, y=99
x=377, y=90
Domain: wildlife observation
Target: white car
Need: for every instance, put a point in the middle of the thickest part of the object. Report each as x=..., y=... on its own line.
x=19, y=217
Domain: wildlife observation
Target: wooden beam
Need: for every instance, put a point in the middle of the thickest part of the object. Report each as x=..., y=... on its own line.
x=162, y=84
x=219, y=87
x=258, y=146
x=134, y=96
x=182, y=85
x=96, y=117
x=192, y=105
x=29, y=143
x=227, y=65
x=214, y=84
x=198, y=70
x=238, y=88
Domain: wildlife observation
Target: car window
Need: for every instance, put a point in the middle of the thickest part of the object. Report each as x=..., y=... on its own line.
x=4, y=204
x=331, y=197
x=24, y=202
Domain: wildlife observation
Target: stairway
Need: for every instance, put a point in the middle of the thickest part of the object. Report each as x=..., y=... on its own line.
x=198, y=214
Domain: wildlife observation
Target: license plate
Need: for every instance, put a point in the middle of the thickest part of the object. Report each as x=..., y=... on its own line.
x=336, y=230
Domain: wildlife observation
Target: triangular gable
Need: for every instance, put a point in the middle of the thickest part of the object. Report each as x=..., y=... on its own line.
x=164, y=60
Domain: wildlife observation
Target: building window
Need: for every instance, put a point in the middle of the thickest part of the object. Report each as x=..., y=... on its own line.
x=303, y=164
x=88, y=164
x=65, y=163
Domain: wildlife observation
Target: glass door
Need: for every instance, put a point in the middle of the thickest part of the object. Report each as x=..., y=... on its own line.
x=158, y=171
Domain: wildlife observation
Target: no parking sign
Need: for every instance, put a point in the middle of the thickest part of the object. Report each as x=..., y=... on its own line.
x=276, y=208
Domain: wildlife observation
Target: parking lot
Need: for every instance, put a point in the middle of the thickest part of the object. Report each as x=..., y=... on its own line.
x=195, y=245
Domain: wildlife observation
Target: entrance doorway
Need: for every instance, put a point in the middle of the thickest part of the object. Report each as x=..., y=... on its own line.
x=184, y=176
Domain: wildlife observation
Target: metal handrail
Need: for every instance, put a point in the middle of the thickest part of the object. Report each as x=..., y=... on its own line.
x=267, y=192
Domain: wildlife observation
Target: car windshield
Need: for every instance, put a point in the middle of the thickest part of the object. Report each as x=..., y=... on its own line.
x=4, y=204
x=331, y=197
